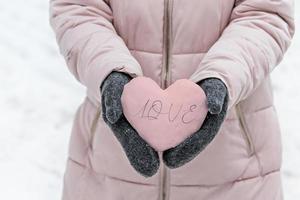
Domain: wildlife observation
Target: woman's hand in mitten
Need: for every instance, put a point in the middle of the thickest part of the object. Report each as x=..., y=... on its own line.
x=217, y=102
x=142, y=157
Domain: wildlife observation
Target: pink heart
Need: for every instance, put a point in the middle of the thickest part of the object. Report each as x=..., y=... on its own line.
x=164, y=118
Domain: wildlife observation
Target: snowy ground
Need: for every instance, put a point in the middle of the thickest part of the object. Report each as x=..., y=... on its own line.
x=38, y=98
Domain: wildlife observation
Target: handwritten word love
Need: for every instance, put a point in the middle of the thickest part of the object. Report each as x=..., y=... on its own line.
x=154, y=109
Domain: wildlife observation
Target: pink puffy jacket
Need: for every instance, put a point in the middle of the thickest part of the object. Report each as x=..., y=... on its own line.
x=239, y=42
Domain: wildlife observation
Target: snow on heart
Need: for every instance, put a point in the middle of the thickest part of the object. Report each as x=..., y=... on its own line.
x=164, y=118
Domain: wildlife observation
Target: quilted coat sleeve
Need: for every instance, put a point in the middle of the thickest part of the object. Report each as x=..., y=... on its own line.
x=89, y=42
x=253, y=43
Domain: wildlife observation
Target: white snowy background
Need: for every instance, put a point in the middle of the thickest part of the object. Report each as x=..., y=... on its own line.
x=39, y=97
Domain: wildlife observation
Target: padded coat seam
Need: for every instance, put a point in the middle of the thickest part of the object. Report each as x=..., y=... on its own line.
x=173, y=54
x=231, y=182
x=259, y=110
x=103, y=175
x=172, y=185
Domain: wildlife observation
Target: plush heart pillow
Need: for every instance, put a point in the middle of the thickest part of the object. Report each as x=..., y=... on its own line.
x=164, y=118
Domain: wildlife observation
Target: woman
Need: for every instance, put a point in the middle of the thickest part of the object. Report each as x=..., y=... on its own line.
x=227, y=47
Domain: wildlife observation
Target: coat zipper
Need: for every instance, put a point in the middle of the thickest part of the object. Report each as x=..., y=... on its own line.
x=245, y=129
x=165, y=78
x=165, y=81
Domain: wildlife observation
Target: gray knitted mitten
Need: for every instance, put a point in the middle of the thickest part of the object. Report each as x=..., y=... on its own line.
x=142, y=157
x=217, y=101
